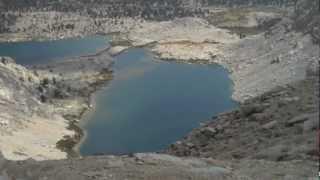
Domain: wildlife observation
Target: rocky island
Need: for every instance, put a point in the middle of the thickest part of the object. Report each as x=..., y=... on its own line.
x=271, y=49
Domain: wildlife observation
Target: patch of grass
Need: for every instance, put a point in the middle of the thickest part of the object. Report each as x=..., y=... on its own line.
x=67, y=143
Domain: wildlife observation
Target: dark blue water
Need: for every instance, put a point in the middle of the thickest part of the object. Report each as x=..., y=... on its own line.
x=33, y=52
x=151, y=104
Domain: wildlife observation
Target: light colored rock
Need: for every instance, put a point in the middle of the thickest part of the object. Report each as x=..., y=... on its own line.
x=115, y=50
x=269, y=125
x=209, y=131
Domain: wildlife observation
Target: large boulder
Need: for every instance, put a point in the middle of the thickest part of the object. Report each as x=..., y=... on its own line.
x=6, y=60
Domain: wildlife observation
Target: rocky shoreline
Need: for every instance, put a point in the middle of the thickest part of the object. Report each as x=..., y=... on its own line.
x=69, y=143
x=280, y=125
x=281, y=58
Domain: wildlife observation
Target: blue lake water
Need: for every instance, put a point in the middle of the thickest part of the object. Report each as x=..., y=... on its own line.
x=150, y=104
x=35, y=52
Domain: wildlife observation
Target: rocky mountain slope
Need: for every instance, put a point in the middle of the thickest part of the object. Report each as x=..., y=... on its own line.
x=278, y=126
x=279, y=117
x=52, y=19
x=156, y=166
x=22, y=112
x=38, y=105
x=57, y=16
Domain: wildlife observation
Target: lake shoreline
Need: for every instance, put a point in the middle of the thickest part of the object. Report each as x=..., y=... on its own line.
x=85, y=119
x=185, y=66
x=73, y=149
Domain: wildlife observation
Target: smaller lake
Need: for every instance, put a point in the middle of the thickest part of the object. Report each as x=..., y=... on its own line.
x=41, y=52
x=150, y=104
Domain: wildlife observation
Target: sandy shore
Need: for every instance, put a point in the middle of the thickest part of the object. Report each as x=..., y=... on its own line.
x=37, y=140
